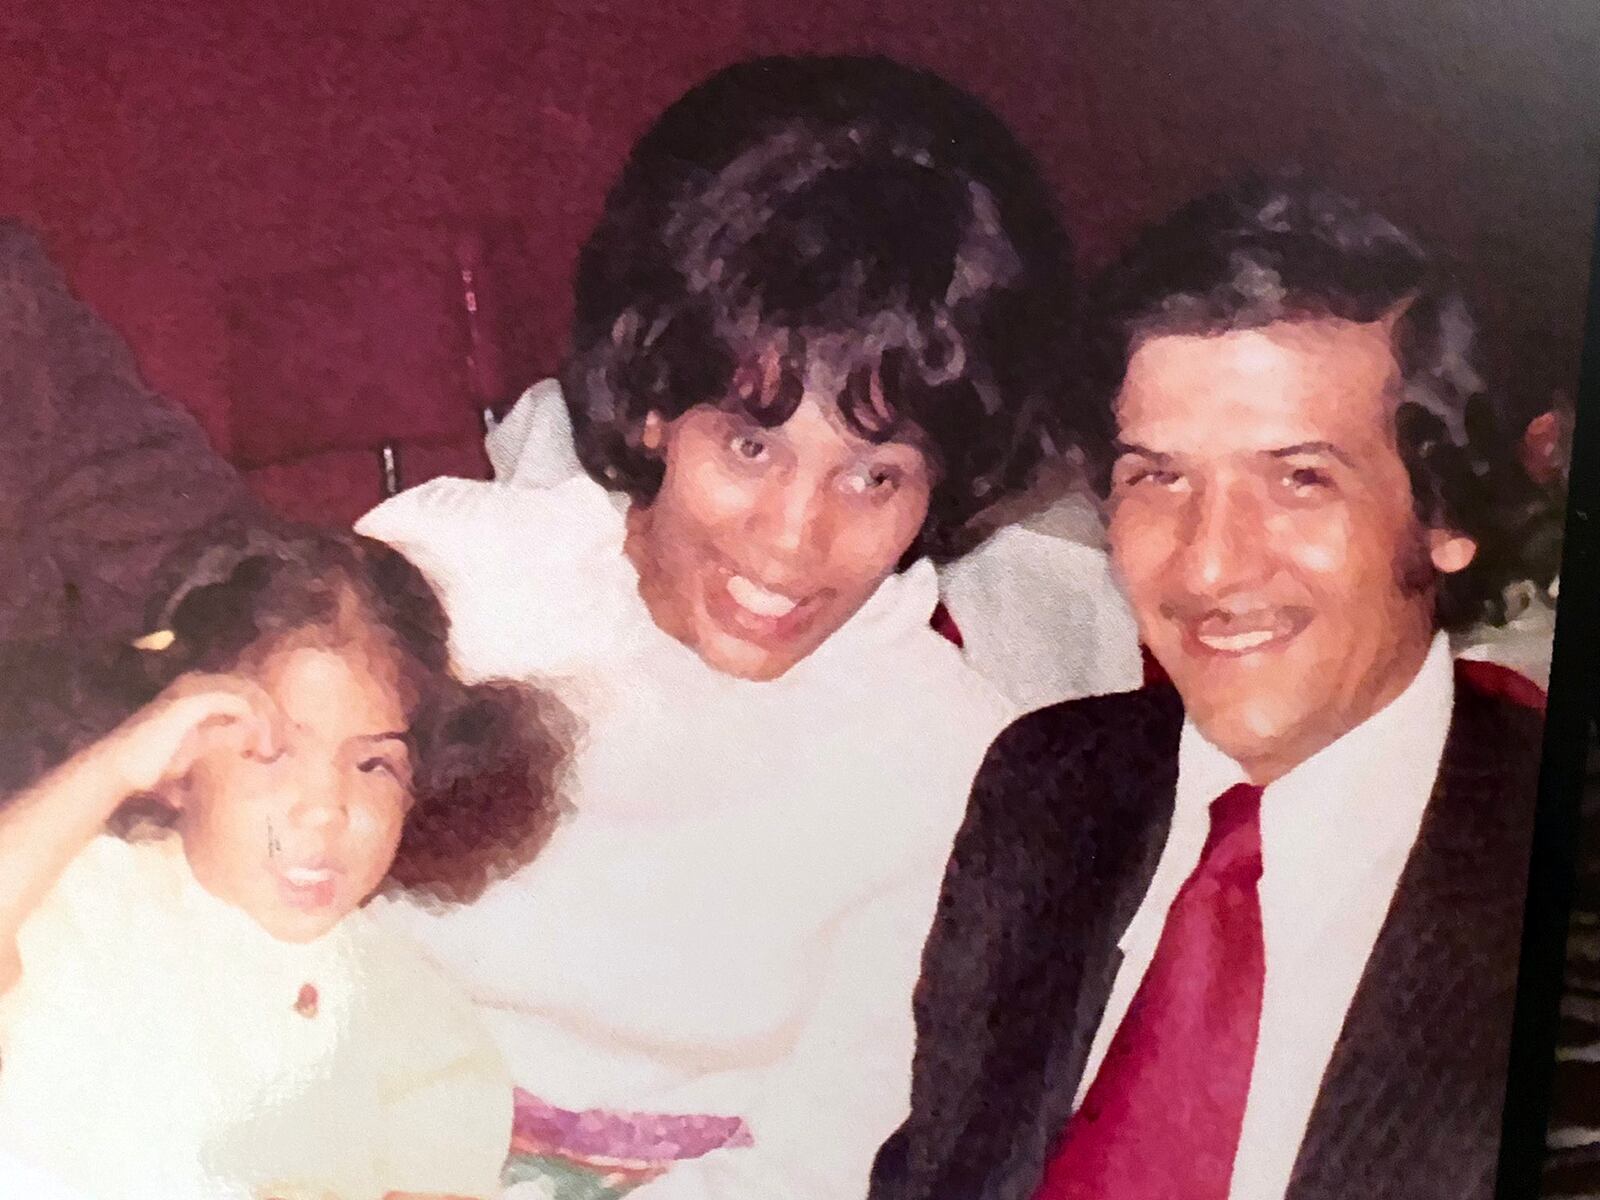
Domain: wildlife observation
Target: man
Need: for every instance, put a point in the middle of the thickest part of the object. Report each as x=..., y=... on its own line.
x=1254, y=931
x=99, y=476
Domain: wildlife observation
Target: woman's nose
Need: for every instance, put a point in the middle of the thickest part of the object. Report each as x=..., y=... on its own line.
x=789, y=515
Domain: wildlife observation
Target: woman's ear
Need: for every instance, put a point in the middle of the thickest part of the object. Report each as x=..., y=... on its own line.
x=653, y=435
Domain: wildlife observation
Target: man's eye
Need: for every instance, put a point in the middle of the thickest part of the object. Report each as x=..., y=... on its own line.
x=1308, y=479
x=1151, y=477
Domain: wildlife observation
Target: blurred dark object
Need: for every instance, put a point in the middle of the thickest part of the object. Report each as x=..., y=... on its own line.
x=99, y=476
x=1572, y=1169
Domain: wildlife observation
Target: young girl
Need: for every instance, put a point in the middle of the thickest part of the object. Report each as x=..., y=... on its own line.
x=197, y=1007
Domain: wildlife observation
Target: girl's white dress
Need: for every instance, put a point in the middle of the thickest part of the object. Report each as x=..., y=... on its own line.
x=161, y=1044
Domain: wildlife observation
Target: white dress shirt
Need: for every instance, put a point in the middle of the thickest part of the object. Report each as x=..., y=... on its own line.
x=1335, y=833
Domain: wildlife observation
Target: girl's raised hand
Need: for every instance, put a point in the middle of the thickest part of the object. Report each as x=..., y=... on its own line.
x=160, y=742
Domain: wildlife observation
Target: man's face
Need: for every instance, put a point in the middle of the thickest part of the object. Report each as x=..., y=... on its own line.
x=762, y=542
x=1263, y=524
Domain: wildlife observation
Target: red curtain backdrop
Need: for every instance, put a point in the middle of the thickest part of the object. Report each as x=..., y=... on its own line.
x=275, y=200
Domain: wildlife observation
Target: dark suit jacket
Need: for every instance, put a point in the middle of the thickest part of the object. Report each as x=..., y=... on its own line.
x=99, y=476
x=1068, y=818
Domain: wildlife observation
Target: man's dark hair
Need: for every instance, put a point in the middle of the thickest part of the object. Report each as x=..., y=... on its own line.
x=1278, y=248
x=847, y=207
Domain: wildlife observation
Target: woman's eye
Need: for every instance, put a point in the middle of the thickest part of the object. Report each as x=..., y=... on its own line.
x=378, y=764
x=749, y=448
x=873, y=481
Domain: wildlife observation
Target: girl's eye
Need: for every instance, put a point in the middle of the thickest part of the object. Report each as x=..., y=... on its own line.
x=749, y=448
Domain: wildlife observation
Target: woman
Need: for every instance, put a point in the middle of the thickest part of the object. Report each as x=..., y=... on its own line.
x=817, y=330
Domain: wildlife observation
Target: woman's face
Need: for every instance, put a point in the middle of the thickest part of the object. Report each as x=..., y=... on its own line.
x=762, y=542
x=299, y=841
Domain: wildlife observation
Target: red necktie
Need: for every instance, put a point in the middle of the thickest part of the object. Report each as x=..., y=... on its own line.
x=1162, y=1118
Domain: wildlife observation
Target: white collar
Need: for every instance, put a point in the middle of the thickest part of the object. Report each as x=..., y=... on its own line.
x=1381, y=739
x=1359, y=800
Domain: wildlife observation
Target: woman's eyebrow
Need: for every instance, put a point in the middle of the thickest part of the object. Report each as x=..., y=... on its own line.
x=391, y=736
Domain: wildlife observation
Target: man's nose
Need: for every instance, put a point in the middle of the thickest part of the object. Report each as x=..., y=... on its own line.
x=1223, y=541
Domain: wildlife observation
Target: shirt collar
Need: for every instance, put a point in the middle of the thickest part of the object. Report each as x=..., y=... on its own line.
x=1381, y=771
x=1372, y=750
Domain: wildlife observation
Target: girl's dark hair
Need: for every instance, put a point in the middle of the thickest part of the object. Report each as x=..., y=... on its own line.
x=849, y=208
x=1281, y=248
x=484, y=756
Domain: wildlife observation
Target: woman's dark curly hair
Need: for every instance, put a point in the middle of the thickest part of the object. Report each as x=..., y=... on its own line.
x=484, y=756
x=842, y=208
x=1279, y=248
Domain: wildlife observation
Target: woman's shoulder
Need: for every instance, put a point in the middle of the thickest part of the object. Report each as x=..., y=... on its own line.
x=467, y=514
x=529, y=576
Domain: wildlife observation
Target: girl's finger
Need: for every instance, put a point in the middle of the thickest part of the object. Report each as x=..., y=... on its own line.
x=238, y=713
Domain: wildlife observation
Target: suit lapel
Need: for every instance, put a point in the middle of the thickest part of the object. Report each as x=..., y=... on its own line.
x=1081, y=954
x=1411, y=1101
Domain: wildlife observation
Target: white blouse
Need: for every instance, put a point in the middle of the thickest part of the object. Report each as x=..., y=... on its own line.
x=729, y=921
x=1041, y=614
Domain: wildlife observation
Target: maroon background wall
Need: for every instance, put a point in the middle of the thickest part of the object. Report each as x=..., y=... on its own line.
x=270, y=199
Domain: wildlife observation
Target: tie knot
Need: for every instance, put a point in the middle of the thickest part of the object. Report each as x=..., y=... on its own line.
x=1233, y=848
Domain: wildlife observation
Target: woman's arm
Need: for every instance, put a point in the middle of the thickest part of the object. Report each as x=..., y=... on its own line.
x=43, y=827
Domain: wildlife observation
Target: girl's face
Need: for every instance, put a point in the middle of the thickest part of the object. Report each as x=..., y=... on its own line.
x=300, y=840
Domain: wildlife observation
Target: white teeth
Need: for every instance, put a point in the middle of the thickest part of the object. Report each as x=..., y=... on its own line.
x=1236, y=642
x=305, y=876
x=758, y=600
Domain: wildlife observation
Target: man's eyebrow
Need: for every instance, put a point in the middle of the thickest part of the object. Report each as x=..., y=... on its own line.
x=1120, y=447
x=1300, y=449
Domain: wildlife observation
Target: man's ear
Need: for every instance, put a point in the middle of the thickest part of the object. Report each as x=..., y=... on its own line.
x=1450, y=551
